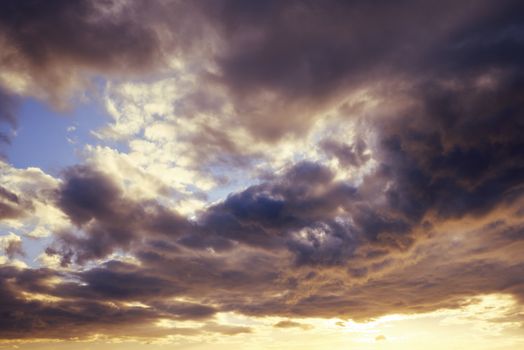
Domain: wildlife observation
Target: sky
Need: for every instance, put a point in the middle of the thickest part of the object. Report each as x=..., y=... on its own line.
x=226, y=174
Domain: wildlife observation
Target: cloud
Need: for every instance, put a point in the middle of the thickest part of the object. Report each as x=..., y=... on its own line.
x=54, y=43
x=109, y=220
x=347, y=155
x=251, y=106
x=8, y=106
x=265, y=284
x=9, y=204
x=26, y=202
x=11, y=244
x=284, y=62
x=417, y=209
x=39, y=303
x=292, y=324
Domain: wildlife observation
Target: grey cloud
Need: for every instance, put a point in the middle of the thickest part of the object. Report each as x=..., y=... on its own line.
x=307, y=53
x=260, y=286
x=8, y=120
x=292, y=324
x=306, y=243
x=83, y=314
x=75, y=30
x=14, y=248
x=23, y=319
x=10, y=204
x=51, y=40
x=280, y=61
x=347, y=155
x=109, y=219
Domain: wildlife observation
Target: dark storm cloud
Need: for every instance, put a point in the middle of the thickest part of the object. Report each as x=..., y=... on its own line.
x=306, y=197
x=127, y=283
x=307, y=53
x=413, y=294
x=22, y=318
x=45, y=34
x=75, y=31
x=272, y=214
x=311, y=48
x=319, y=219
x=82, y=311
x=464, y=157
x=59, y=50
x=109, y=219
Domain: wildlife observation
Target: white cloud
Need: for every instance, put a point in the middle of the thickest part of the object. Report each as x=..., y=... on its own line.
x=34, y=190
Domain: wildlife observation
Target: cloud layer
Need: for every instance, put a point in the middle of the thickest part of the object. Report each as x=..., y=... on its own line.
x=282, y=158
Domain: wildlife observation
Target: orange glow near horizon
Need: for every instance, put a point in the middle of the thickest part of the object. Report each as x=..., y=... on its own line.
x=478, y=325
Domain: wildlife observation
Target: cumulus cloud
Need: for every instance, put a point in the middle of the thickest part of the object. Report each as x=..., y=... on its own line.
x=108, y=220
x=11, y=244
x=26, y=202
x=53, y=43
